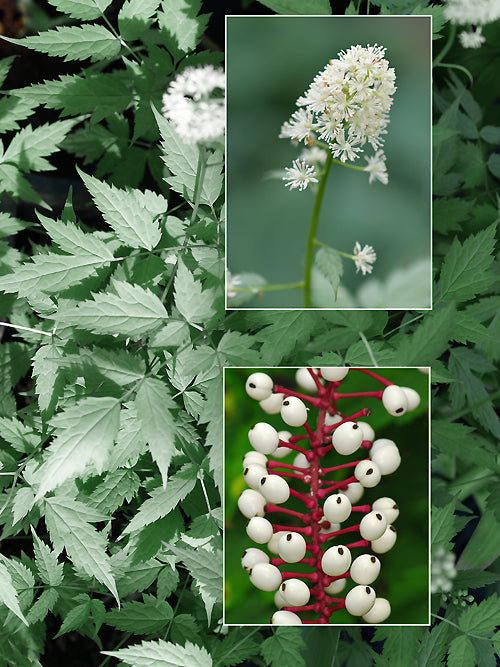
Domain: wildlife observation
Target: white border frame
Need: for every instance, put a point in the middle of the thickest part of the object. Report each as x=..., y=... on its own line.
x=431, y=248
x=429, y=498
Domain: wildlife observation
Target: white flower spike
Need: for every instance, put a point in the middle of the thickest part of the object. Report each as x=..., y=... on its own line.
x=364, y=258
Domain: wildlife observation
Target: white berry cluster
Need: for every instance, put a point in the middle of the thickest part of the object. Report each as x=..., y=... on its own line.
x=320, y=536
x=346, y=106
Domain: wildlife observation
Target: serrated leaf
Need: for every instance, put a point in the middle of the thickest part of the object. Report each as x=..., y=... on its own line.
x=182, y=160
x=8, y=594
x=290, y=331
x=194, y=303
x=481, y=619
x=81, y=9
x=21, y=437
x=234, y=349
x=465, y=268
x=180, y=18
x=68, y=524
x=13, y=110
x=163, y=654
x=458, y=440
x=401, y=644
x=52, y=273
x=75, y=618
x=71, y=239
x=22, y=503
x=474, y=579
x=29, y=147
x=117, y=487
x=10, y=226
x=153, y=403
x=164, y=499
x=429, y=339
x=442, y=525
x=49, y=568
x=433, y=646
x=483, y=548
x=205, y=566
x=84, y=434
x=74, y=42
x=49, y=381
x=96, y=93
x=13, y=182
x=45, y=603
x=133, y=311
x=135, y=17
x=283, y=647
x=141, y=618
x=125, y=212
x=294, y=7
x=236, y=647
x=329, y=263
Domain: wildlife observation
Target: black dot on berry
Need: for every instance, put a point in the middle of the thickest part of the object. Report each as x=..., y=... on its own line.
x=368, y=590
x=395, y=507
x=263, y=480
x=244, y=554
x=379, y=517
x=251, y=385
x=399, y=410
x=355, y=426
x=245, y=472
x=283, y=586
x=341, y=551
x=289, y=537
x=369, y=471
x=339, y=500
x=250, y=570
x=373, y=559
x=286, y=402
x=392, y=528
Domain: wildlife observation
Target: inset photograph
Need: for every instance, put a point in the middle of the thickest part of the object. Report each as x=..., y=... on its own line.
x=329, y=162
x=326, y=502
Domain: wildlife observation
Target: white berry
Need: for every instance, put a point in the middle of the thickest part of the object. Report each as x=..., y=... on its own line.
x=305, y=381
x=337, y=508
x=334, y=374
x=372, y=526
x=388, y=507
x=259, y=530
x=365, y=569
x=360, y=600
x=251, y=557
x=367, y=474
x=285, y=618
x=394, y=400
x=259, y=386
x=385, y=542
x=336, y=560
x=272, y=545
x=293, y=411
x=295, y=592
x=274, y=489
x=263, y=437
x=253, y=474
x=254, y=457
x=265, y=576
x=347, y=438
x=301, y=461
x=330, y=420
x=251, y=503
x=379, y=443
x=272, y=404
x=335, y=587
x=387, y=459
x=283, y=451
x=368, y=432
x=412, y=398
x=380, y=611
x=354, y=492
x=279, y=600
x=292, y=547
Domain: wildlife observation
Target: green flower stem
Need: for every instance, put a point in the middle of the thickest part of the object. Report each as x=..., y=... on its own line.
x=312, y=231
x=447, y=46
x=459, y=67
x=339, y=252
x=269, y=288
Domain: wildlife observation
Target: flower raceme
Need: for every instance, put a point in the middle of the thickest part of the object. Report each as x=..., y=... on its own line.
x=346, y=106
x=316, y=537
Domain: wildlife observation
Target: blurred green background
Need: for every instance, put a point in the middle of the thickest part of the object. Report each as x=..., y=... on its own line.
x=271, y=61
x=403, y=579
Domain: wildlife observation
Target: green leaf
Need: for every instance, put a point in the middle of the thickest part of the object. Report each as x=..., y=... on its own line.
x=68, y=523
x=135, y=17
x=162, y=654
x=29, y=147
x=52, y=273
x=131, y=312
x=10, y=226
x=8, y=594
x=141, y=618
x=465, y=270
x=49, y=380
x=164, y=499
x=180, y=18
x=84, y=433
x=5, y=65
x=433, y=646
x=13, y=182
x=447, y=214
x=491, y=134
x=70, y=238
x=205, y=566
x=234, y=349
x=21, y=437
x=23, y=503
x=458, y=440
x=96, y=93
x=76, y=617
x=481, y=619
x=474, y=579
x=494, y=164
x=74, y=42
x=429, y=340
x=483, y=548
x=13, y=110
x=291, y=331
x=154, y=403
x=236, y=647
x=182, y=160
x=125, y=211
x=117, y=487
x=49, y=568
x=81, y=9
x=45, y=603
x=298, y=6
x=283, y=648
x=329, y=262
x=442, y=525
x=194, y=303
x=401, y=644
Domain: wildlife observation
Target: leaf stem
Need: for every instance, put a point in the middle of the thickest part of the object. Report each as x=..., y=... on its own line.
x=447, y=46
x=312, y=232
x=368, y=348
x=442, y=618
x=269, y=288
x=18, y=326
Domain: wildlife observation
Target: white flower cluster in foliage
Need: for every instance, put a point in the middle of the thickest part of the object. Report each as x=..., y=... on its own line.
x=443, y=571
x=472, y=12
x=346, y=106
x=194, y=103
x=268, y=488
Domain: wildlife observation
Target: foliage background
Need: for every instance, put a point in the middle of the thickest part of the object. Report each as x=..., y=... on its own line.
x=270, y=63
x=171, y=593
